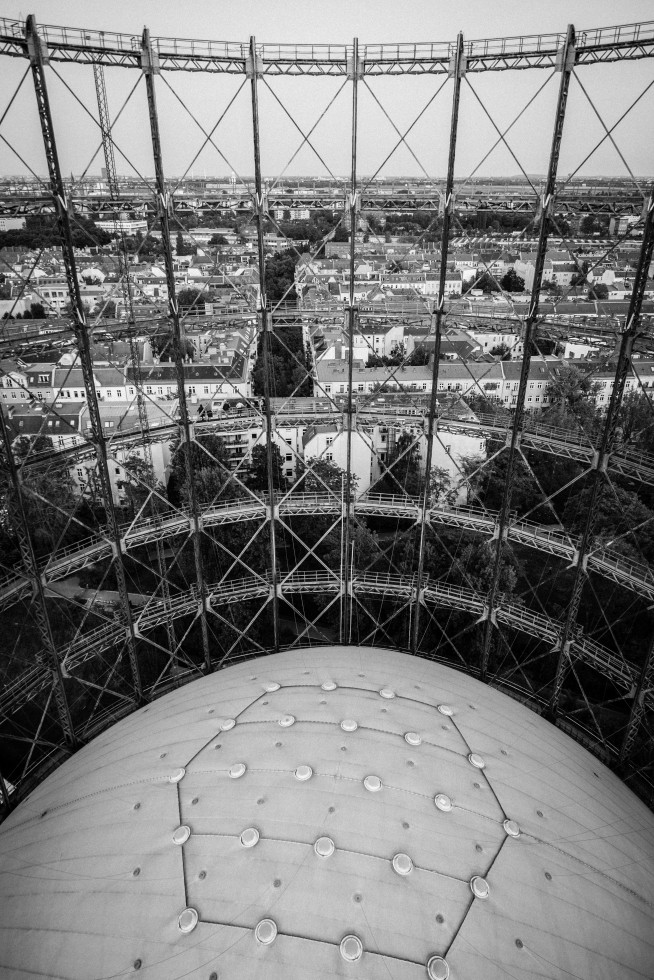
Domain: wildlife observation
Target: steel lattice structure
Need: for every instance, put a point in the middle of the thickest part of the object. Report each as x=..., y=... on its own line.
x=492, y=570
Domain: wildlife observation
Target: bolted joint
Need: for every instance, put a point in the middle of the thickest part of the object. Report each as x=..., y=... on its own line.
x=163, y=203
x=445, y=203
x=565, y=58
x=354, y=71
x=253, y=66
x=260, y=203
x=37, y=49
x=353, y=202
x=149, y=56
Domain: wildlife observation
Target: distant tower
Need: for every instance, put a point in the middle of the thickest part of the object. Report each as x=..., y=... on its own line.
x=232, y=180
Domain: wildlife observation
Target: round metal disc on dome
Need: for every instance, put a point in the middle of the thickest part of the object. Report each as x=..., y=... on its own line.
x=372, y=783
x=437, y=968
x=479, y=887
x=413, y=738
x=266, y=932
x=121, y=773
x=287, y=720
x=402, y=864
x=271, y=686
x=181, y=835
x=351, y=948
x=303, y=773
x=445, y=709
x=324, y=847
x=227, y=724
x=349, y=725
x=249, y=837
x=387, y=692
x=476, y=760
x=175, y=777
x=237, y=770
x=329, y=686
x=511, y=828
x=187, y=920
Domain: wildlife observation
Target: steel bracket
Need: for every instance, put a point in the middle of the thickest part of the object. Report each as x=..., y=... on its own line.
x=150, y=59
x=463, y=66
x=253, y=66
x=354, y=71
x=37, y=49
x=565, y=58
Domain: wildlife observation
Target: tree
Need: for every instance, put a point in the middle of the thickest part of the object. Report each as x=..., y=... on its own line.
x=598, y=290
x=182, y=248
x=194, y=298
x=280, y=277
x=503, y=351
x=109, y=310
x=441, y=490
x=257, y=478
x=485, y=281
x=218, y=240
x=511, y=282
x=138, y=484
x=403, y=468
x=322, y=475
x=570, y=386
x=636, y=421
x=38, y=311
x=207, y=453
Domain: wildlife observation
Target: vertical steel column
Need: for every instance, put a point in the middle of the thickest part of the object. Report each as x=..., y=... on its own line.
x=599, y=474
x=644, y=688
x=105, y=130
x=348, y=569
x=49, y=655
x=565, y=64
x=457, y=70
x=265, y=321
x=38, y=58
x=149, y=64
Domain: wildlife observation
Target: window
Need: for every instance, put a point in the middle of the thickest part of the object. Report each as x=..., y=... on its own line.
x=206, y=390
x=80, y=473
x=109, y=395
x=43, y=379
x=60, y=440
x=329, y=457
x=117, y=470
x=109, y=425
x=329, y=440
x=191, y=389
x=289, y=457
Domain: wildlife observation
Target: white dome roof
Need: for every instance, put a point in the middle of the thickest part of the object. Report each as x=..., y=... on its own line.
x=140, y=853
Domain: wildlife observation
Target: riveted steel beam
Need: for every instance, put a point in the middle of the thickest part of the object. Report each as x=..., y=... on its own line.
x=265, y=327
x=457, y=71
x=529, y=335
x=149, y=69
x=48, y=654
x=599, y=476
x=81, y=331
x=347, y=560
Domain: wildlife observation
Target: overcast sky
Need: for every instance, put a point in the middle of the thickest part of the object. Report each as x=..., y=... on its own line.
x=500, y=95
